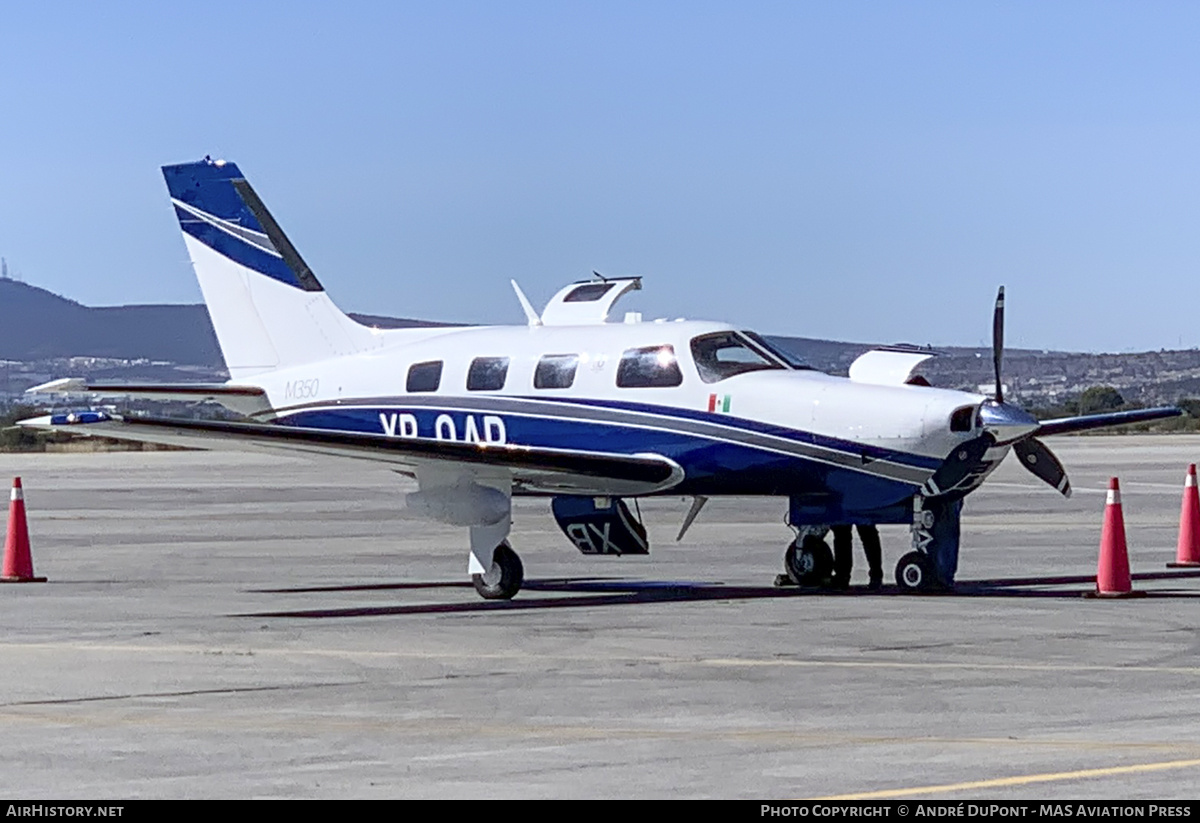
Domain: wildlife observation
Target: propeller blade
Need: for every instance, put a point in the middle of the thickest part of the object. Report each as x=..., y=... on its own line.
x=1036, y=457
x=998, y=341
x=957, y=465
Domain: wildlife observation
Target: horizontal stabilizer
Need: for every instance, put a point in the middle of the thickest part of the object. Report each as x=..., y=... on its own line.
x=531, y=468
x=247, y=400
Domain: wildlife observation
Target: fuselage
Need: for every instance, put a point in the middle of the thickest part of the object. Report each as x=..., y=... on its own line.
x=731, y=411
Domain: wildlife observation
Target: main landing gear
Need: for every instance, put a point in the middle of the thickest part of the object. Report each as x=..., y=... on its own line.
x=505, y=576
x=808, y=561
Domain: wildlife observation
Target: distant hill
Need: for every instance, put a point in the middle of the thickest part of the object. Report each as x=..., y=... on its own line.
x=36, y=324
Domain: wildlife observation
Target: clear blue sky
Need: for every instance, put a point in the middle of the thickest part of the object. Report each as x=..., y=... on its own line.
x=851, y=170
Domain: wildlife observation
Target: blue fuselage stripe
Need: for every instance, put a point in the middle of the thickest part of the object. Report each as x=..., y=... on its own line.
x=735, y=457
x=745, y=424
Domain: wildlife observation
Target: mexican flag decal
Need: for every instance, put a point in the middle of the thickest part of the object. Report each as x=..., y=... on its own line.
x=719, y=403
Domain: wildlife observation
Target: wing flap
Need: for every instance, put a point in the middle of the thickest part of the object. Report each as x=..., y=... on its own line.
x=531, y=468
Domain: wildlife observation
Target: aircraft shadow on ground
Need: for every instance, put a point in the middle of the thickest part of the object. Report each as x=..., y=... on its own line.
x=573, y=593
x=592, y=592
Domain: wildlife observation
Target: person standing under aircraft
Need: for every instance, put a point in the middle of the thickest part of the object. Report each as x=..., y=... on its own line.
x=843, y=555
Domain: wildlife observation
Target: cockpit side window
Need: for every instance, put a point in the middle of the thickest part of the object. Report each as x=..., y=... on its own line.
x=723, y=354
x=649, y=367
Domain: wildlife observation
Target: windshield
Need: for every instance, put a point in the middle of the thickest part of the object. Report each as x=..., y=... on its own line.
x=778, y=351
x=724, y=354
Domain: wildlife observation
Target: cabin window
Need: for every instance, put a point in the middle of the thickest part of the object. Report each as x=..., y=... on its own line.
x=424, y=376
x=588, y=293
x=723, y=354
x=555, y=371
x=487, y=374
x=652, y=366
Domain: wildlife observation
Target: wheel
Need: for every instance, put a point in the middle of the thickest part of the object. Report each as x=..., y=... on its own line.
x=810, y=563
x=504, y=578
x=914, y=572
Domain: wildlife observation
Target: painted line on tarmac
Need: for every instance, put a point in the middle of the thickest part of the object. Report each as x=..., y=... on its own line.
x=1126, y=486
x=1021, y=780
x=883, y=664
x=470, y=656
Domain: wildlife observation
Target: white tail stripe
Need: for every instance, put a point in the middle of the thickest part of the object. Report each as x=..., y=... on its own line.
x=254, y=238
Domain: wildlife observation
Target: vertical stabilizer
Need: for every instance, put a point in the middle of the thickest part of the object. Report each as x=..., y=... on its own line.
x=267, y=307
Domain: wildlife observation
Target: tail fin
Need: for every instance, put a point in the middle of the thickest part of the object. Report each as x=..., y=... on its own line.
x=268, y=309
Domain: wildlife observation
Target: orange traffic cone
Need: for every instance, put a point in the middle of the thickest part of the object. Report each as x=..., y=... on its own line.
x=1188, y=553
x=18, y=562
x=1112, y=572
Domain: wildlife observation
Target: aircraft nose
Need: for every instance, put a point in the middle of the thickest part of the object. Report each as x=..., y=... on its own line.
x=1007, y=423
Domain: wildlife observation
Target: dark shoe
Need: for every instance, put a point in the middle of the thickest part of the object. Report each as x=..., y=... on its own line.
x=839, y=584
x=876, y=583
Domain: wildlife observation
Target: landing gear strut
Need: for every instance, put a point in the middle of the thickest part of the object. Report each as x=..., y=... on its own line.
x=914, y=572
x=935, y=537
x=504, y=578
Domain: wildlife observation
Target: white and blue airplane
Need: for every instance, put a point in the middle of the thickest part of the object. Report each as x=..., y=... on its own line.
x=575, y=407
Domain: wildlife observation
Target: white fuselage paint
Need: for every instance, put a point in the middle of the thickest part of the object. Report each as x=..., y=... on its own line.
x=905, y=418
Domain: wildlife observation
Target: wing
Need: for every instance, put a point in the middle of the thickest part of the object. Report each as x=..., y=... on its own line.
x=532, y=469
x=1066, y=425
x=247, y=400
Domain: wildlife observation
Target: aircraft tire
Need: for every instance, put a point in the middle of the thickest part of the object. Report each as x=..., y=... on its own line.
x=505, y=577
x=810, y=563
x=914, y=572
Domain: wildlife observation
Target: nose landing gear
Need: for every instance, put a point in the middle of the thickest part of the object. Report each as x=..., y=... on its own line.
x=930, y=566
x=914, y=572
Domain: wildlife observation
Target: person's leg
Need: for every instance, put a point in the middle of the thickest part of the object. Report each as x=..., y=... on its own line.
x=944, y=549
x=843, y=555
x=869, y=535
